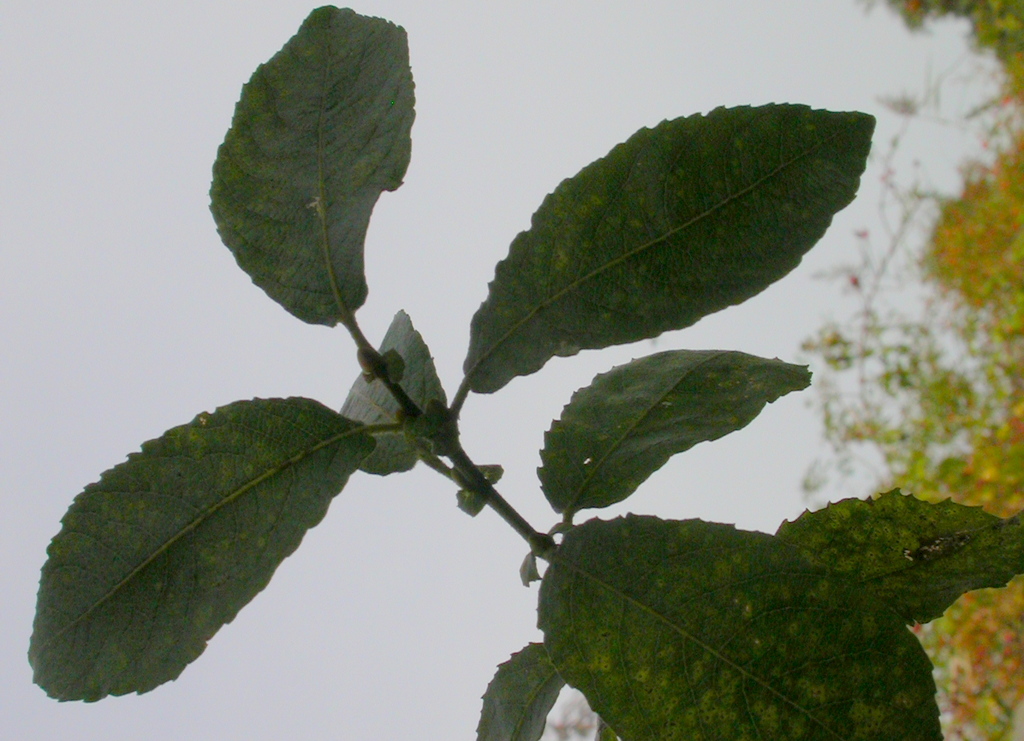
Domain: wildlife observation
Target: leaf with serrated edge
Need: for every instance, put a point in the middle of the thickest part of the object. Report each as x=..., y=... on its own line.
x=918, y=556
x=168, y=546
x=319, y=132
x=519, y=698
x=622, y=428
x=694, y=630
x=680, y=221
x=372, y=403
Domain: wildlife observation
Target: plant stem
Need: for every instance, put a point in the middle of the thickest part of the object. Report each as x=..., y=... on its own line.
x=432, y=461
x=382, y=427
x=460, y=397
x=375, y=368
x=447, y=442
x=541, y=544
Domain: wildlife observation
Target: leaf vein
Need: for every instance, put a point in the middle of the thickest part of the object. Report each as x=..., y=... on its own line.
x=190, y=528
x=629, y=254
x=725, y=660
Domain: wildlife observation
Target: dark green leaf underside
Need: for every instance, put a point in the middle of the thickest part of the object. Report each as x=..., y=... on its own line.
x=622, y=428
x=519, y=698
x=319, y=132
x=918, y=556
x=167, y=547
x=372, y=403
x=678, y=222
x=692, y=630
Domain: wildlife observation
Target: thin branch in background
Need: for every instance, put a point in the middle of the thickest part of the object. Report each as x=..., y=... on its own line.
x=887, y=282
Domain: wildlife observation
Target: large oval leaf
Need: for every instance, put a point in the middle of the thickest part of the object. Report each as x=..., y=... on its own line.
x=918, y=556
x=622, y=428
x=519, y=698
x=167, y=547
x=693, y=630
x=320, y=131
x=680, y=221
x=372, y=403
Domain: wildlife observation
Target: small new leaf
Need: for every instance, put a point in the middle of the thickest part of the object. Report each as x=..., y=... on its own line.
x=682, y=630
x=680, y=221
x=492, y=472
x=321, y=130
x=622, y=428
x=167, y=547
x=470, y=502
x=519, y=698
x=528, y=572
x=917, y=556
x=403, y=351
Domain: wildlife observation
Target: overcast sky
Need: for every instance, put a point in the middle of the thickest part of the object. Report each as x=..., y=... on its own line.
x=123, y=315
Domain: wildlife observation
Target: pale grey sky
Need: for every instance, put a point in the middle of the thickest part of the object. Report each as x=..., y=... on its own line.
x=124, y=316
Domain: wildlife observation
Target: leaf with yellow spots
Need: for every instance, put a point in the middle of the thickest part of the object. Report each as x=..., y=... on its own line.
x=917, y=556
x=693, y=630
x=679, y=221
x=168, y=546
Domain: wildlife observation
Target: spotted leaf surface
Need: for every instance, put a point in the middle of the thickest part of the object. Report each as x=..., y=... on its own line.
x=918, y=556
x=679, y=221
x=694, y=630
x=168, y=546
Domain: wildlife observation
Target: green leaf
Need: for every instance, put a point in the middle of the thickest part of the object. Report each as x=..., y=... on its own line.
x=436, y=428
x=472, y=502
x=168, y=546
x=372, y=403
x=528, y=572
x=680, y=221
x=694, y=630
x=319, y=132
x=492, y=472
x=622, y=428
x=918, y=556
x=519, y=698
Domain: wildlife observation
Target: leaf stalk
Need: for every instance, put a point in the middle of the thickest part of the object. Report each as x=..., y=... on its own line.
x=542, y=545
x=438, y=425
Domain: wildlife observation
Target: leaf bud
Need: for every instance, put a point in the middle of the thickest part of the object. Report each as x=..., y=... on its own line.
x=372, y=363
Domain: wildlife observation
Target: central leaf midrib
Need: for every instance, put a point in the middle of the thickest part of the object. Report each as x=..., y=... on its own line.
x=321, y=178
x=637, y=250
x=686, y=635
x=195, y=523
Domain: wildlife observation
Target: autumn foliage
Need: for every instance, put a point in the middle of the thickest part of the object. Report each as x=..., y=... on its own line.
x=977, y=260
x=940, y=398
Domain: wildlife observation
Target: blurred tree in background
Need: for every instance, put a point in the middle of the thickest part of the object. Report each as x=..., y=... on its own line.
x=996, y=24
x=939, y=399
